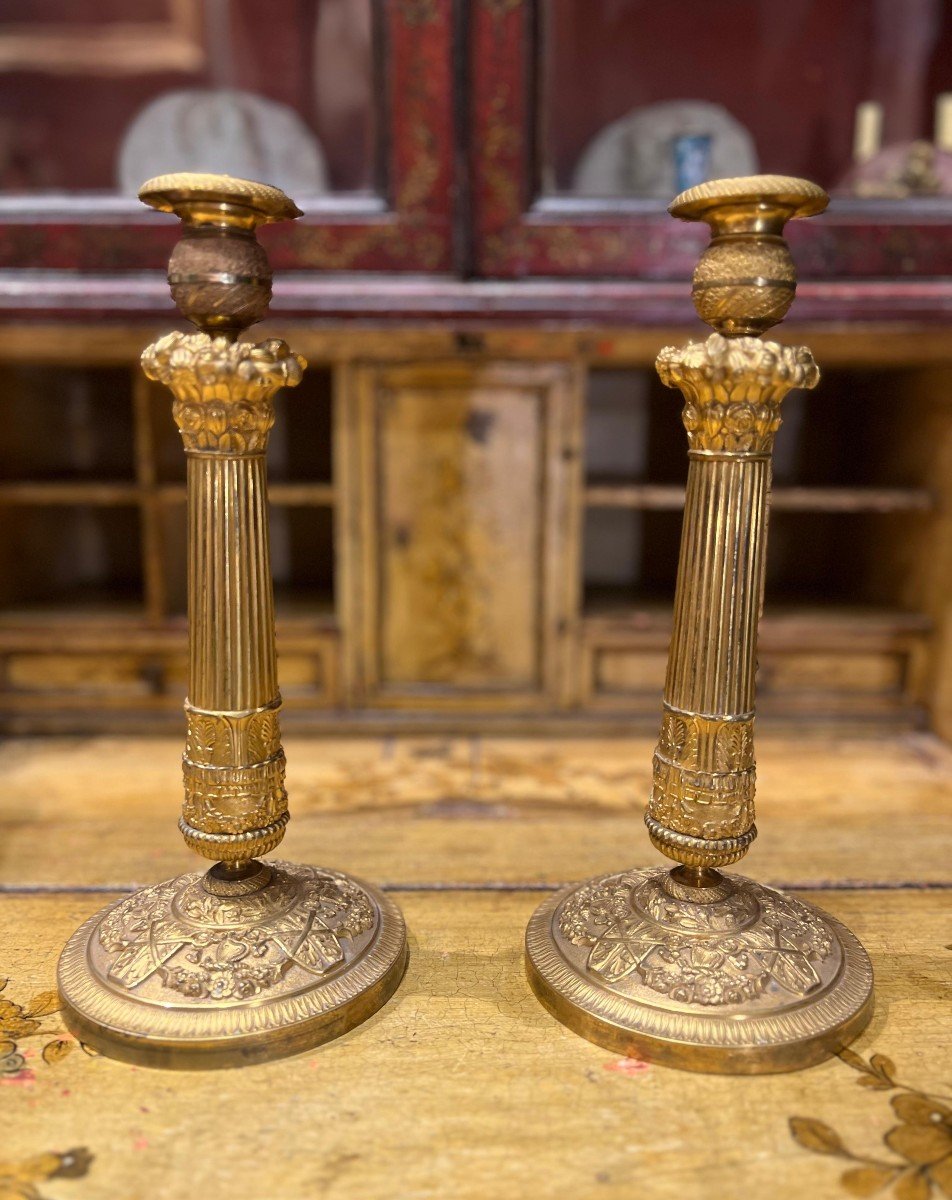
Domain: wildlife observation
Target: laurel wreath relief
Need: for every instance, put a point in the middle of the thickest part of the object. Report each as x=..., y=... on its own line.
x=725, y=965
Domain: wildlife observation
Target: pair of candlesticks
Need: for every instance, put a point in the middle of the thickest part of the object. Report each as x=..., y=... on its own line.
x=253, y=960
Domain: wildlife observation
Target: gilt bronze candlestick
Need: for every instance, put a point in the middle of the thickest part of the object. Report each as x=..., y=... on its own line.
x=249, y=960
x=691, y=967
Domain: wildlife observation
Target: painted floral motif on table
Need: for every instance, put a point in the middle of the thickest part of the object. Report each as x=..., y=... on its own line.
x=36, y=1021
x=21, y=1179
x=920, y=1166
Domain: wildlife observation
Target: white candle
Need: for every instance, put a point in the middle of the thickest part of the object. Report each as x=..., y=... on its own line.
x=868, y=133
x=943, y=121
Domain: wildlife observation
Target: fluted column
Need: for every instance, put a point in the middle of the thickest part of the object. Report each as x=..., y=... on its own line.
x=701, y=810
x=235, y=802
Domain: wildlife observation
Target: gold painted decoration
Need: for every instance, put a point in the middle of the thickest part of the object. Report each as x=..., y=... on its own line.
x=23, y=1178
x=919, y=1144
x=692, y=967
x=247, y=961
x=36, y=1019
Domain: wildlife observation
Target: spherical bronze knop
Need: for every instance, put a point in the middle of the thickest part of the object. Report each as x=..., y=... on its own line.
x=220, y=279
x=218, y=273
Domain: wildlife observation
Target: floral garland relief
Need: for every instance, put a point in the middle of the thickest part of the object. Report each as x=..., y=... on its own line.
x=19, y=1022
x=921, y=1144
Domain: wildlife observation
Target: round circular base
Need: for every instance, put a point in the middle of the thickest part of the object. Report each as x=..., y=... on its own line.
x=203, y=971
x=736, y=978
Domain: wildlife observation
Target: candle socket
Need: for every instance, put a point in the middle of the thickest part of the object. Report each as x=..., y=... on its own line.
x=249, y=960
x=691, y=967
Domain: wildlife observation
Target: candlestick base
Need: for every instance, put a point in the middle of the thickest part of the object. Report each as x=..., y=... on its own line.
x=220, y=969
x=733, y=977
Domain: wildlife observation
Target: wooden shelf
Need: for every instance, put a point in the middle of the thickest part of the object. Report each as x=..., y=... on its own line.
x=291, y=495
x=91, y=650
x=70, y=493
x=44, y=624
x=287, y=495
x=669, y=498
x=476, y=489
x=124, y=628
x=826, y=664
x=849, y=623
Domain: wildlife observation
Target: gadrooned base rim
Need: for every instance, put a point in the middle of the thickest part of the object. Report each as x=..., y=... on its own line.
x=123, y=1028
x=593, y=1011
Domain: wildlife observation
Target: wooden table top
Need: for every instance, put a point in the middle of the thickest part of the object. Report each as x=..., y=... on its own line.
x=462, y=1086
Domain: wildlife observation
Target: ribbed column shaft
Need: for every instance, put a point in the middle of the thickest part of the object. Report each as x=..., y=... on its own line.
x=235, y=804
x=701, y=810
x=233, y=664
x=712, y=659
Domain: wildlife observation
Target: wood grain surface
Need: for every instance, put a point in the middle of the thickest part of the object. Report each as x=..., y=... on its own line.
x=462, y=1086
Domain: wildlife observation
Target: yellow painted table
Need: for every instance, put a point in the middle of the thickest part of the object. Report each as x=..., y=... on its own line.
x=462, y=1086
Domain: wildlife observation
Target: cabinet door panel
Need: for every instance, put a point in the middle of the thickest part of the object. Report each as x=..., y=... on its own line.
x=460, y=526
x=466, y=566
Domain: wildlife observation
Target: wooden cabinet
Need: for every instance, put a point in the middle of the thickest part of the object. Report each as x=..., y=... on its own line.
x=368, y=85
x=451, y=150
x=548, y=75
x=476, y=491
x=472, y=532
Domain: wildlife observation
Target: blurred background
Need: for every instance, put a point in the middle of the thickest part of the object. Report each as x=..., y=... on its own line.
x=477, y=489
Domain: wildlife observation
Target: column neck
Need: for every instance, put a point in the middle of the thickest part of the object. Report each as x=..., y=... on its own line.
x=701, y=811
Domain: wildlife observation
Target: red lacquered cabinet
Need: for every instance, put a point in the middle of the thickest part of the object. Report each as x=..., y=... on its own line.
x=481, y=279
